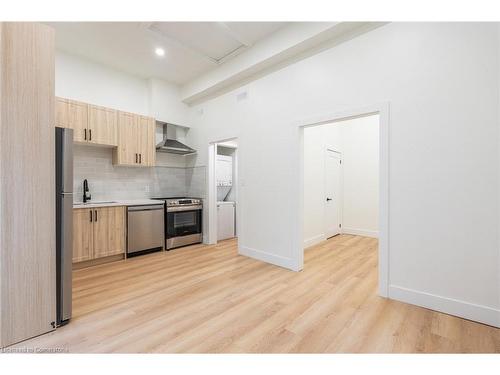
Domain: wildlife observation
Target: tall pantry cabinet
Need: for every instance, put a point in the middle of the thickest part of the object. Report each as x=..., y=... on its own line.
x=27, y=191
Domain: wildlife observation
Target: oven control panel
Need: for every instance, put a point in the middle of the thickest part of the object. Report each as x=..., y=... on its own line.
x=183, y=202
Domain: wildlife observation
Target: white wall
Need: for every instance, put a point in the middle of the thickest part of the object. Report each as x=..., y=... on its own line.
x=165, y=103
x=441, y=80
x=360, y=168
x=80, y=79
x=84, y=80
x=358, y=141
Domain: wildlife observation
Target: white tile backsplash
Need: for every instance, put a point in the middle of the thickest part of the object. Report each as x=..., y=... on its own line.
x=108, y=182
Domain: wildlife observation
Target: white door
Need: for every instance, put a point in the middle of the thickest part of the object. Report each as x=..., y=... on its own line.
x=332, y=192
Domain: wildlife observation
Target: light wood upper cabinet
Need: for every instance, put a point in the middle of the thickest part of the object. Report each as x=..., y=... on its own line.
x=82, y=234
x=90, y=123
x=102, y=126
x=136, y=140
x=109, y=231
x=128, y=131
x=73, y=115
x=147, y=147
x=133, y=135
x=63, y=113
x=98, y=232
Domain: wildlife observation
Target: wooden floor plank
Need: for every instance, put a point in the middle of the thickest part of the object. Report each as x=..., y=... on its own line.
x=209, y=299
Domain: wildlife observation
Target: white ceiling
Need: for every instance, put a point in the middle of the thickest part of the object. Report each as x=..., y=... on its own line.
x=192, y=48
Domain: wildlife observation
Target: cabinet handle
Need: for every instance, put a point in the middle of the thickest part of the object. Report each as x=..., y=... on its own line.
x=95, y=216
x=90, y=215
x=85, y=134
x=140, y=158
x=90, y=134
x=136, y=158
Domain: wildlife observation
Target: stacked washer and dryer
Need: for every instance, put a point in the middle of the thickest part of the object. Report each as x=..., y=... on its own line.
x=226, y=206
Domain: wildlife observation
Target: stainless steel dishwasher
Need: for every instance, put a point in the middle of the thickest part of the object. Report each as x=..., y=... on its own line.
x=145, y=228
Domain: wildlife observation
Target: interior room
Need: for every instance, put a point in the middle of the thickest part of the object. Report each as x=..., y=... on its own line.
x=341, y=179
x=250, y=187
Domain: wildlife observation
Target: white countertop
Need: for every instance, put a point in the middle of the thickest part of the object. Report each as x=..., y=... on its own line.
x=118, y=202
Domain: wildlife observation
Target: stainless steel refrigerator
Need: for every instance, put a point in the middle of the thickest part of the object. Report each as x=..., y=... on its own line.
x=64, y=223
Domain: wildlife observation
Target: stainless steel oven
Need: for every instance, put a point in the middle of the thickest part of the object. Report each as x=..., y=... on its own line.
x=183, y=221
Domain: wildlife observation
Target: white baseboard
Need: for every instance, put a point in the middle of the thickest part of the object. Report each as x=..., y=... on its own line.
x=360, y=232
x=268, y=258
x=314, y=240
x=466, y=310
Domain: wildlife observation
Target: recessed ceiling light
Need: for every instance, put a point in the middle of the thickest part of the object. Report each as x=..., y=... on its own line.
x=160, y=52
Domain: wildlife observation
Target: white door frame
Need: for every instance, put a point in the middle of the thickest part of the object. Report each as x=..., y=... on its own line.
x=211, y=215
x=383, y=242
x=340, y=193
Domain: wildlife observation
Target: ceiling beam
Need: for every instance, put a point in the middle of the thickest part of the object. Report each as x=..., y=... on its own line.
x=284, y=47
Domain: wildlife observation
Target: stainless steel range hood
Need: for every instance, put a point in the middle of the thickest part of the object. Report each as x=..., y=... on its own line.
x=170, y=145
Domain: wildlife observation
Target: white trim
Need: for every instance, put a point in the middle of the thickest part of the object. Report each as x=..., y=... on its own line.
x=361, y=232
x=382, y=110
x=314, y=240
x=211, y=215
x=264, y=256
x=478, y=313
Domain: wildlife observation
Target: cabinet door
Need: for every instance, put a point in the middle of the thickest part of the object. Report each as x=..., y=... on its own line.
x=147, y=151
x=126, y=152
x=102, y=126
x=78, y=120
x=27, y=199
x=82, y=235
x=63, y=113
x=109, y=231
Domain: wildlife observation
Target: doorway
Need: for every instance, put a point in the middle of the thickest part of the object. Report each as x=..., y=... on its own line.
x=324, y=219
x=223, y=206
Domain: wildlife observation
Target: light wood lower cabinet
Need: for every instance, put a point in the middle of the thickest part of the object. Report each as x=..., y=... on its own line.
x=82, y=234
x=98, y=233
x=109, y=231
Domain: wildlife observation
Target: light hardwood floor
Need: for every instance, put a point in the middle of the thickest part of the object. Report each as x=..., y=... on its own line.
x=209, y=299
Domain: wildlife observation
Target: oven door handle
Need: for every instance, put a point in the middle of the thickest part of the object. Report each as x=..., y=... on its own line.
x=194, y=207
